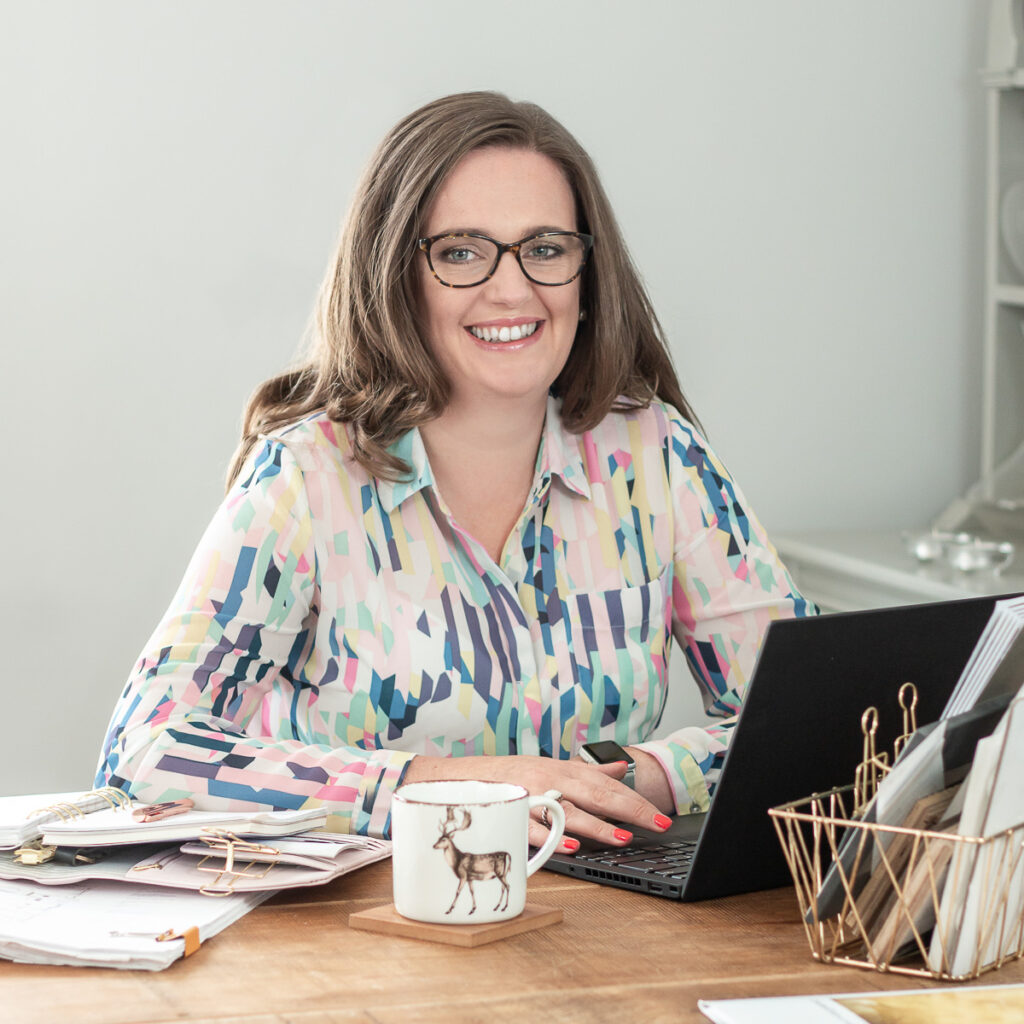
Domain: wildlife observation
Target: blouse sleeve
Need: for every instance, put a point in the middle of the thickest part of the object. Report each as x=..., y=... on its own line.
x=728, y=585
x=217, y=707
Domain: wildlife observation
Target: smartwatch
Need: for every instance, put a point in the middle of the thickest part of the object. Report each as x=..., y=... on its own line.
x=608, y=752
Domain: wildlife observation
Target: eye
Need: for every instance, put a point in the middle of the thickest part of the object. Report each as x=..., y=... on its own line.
x=543, y=249
x=457, y=252
x=457, y=255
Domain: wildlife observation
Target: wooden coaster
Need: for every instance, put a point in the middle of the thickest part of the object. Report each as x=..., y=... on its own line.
x=388, y=921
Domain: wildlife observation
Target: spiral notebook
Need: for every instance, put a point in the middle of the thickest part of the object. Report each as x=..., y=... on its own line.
x=219, y=864
x=103, y=817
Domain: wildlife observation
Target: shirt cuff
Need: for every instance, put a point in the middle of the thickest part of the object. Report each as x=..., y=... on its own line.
x=382, y=775
x=689, y=758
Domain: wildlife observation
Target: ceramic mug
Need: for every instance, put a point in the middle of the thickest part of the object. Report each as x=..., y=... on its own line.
x=459, y=849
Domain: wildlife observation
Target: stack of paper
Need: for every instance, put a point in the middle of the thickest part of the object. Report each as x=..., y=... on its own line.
x=108, y=924
x=84, y=881
x=996, y=665
x=983, y=899
x=215, y=866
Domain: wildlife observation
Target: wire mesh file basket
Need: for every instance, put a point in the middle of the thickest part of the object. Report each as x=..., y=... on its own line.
x=903, y=900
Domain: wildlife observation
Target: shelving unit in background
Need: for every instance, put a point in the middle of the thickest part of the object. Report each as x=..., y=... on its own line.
x=852, y=570
x=1002, y=427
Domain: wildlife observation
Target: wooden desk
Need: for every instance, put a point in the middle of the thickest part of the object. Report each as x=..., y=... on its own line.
x=617, y=956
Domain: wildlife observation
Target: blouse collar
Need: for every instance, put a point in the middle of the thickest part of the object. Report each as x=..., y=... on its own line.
x=560, y=455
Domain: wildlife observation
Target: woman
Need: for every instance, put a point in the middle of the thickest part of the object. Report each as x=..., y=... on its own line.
x=457, y=538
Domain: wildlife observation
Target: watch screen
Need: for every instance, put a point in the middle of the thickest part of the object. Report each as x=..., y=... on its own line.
x=607, y=751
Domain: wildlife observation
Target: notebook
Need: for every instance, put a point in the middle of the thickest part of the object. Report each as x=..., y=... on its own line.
x=103, y=817
x=798, y=733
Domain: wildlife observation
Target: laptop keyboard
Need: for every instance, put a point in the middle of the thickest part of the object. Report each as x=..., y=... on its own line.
x=670, y=859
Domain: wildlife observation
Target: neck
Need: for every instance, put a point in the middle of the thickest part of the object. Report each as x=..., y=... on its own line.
x=483, y=462
x=504, y=433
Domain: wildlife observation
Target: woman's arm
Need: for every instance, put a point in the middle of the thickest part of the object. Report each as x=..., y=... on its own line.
x=596, y=804
x=728, y=585
x=219, y=706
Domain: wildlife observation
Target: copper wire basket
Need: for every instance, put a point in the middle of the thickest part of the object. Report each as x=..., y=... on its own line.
x=901, y=892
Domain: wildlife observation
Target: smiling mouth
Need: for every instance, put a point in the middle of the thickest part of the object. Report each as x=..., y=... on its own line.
x=497, y=335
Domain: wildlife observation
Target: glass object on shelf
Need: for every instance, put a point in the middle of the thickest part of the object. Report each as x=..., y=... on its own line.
x=961, y=551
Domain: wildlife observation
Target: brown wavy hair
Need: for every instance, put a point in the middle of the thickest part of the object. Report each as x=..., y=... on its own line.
x=369, y=364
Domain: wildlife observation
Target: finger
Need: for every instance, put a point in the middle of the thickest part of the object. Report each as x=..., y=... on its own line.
x=590, y=826
x=609, y=808
x=539, y=836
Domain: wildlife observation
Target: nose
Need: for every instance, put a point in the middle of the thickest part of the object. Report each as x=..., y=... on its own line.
x=509, y=285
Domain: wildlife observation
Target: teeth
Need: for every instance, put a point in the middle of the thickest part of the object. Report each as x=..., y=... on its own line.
x=499, y=334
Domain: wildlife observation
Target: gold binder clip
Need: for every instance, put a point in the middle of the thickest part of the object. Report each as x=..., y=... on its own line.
x=872, y=766
x=908, y=703
x=227, y=845
x=34, y=853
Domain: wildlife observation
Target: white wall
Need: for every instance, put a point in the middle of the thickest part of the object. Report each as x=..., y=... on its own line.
x=800, y=181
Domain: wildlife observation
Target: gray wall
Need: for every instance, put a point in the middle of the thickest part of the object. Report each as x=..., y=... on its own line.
x=799, y=180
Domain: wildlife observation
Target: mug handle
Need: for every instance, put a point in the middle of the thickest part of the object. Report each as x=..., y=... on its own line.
x=557, y=817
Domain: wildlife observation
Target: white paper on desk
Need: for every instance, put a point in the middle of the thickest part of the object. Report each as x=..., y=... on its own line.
x=994, y=802
x=108, y=924
x=946, y=1005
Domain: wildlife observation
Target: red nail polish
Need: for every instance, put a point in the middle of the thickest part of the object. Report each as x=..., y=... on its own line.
x=571, y=845
x=622, y=835
x=660, y=821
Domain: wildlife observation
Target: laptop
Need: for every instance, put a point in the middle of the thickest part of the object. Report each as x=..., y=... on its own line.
x=798, y=733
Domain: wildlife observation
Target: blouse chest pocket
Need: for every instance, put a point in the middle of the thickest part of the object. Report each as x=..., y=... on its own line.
x=618, y=658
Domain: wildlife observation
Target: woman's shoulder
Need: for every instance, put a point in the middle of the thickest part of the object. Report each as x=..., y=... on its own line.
x=315, y=434
x=656, y=424
x=317, y=444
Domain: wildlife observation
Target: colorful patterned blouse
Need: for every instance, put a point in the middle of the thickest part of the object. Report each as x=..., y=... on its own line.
x=332, y=625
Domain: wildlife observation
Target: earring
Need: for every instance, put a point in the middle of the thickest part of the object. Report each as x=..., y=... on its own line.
x=583, y=314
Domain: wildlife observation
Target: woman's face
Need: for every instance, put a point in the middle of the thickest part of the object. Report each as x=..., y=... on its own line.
x=507, y=194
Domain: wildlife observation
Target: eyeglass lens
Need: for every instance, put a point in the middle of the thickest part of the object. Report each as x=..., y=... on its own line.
x=468, y=259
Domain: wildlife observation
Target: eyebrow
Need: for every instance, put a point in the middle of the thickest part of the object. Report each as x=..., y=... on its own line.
x=530, y=232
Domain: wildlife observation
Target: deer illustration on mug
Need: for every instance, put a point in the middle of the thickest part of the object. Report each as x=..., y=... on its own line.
x=472, y=867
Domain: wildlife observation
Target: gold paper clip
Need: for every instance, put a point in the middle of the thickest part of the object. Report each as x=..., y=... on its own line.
x=872, y=766
x=227, y=845
x=908, y=702
x=167, y=857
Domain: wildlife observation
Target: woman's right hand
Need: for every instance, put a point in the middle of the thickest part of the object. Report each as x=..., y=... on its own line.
x=590, y=793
